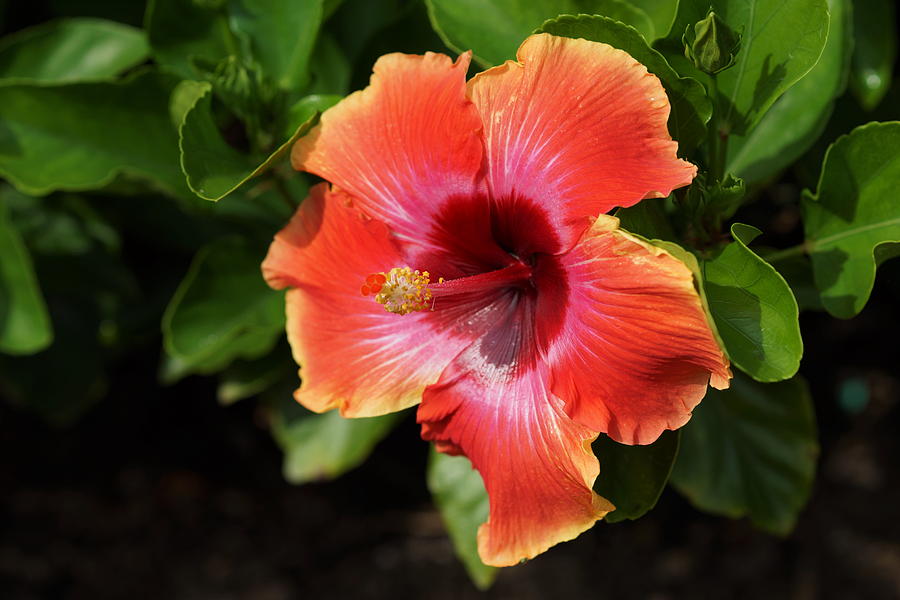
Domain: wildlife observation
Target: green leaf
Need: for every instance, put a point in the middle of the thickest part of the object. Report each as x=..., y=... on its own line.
x=223, y=309
x=797, y=272
x=281, y=35
x=754, y=310
x=71, y=50
x=798, y=118
x=180, y=31
x=750, y=450
x=81, y=136
x=459, y=494
x=781, y=42
x=330, y=68
x=853, y=219
x=324, y=446
x=875, y=32
x=691, y=108
x=212, y=167
x=24, y=323
x=633, y=477
x=661, y=13
x=494, y=29
x=246, y=378
x=647, y=218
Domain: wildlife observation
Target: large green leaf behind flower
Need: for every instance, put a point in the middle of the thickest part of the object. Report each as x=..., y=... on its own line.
x=459, y=494
x=750, y=450
x=633, y=477
x=852, y=222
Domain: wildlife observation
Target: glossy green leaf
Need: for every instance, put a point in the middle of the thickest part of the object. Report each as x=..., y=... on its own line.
x=798, y=118
x=875, y=32
x=494, y=29
x=223, y=309
x=81, y=136
x=281, y=36
x=754, y=310
x=324, y=446
x=633, y=477
x=459, y=494
x=691, y=108
x=853, y=219
x=750, y=451
x=212, y=167
x=180, y=31
x=72, y=50
x=24, y=323
x=781, y=41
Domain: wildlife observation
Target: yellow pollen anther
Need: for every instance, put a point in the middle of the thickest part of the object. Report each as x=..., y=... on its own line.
x=401, y=290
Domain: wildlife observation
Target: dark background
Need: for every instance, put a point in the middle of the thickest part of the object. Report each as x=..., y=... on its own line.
x=160, y=492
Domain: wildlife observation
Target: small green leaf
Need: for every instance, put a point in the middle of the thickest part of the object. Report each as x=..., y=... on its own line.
x=750, y=450
x=798, y=118
x=212, y=167
x=324, y=446
x=691, y=108
x=223, y=309
x=754, y=310
x=781, y=41
x=459, y=494
x=853, y=219
x=24, y=323
x=81, y=136
x=281, y=35
x=633, y=477
x=875, y=32
x=180, y=31
x=71, y=50
x=494, y=29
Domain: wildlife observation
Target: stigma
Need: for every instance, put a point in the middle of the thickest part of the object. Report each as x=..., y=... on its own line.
x=401, y=290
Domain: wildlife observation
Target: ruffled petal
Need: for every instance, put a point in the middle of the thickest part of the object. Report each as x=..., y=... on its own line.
x=404, y=144
x=353, y=354
x=536, y=462
x=636, y=351
x=578, y=127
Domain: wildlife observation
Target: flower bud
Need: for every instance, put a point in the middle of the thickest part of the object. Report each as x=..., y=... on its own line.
x=711, y=44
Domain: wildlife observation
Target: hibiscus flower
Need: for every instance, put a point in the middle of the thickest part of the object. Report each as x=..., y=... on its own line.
x=461, y=259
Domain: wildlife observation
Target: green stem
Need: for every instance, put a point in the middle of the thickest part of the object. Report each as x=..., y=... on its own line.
x=718, y=141
x=798, y=250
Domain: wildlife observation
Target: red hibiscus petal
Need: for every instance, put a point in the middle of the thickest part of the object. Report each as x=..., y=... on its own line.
x=636, y=351
x=402, y=145
x=353, y=354
x=579, y=127
x=535, y=461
